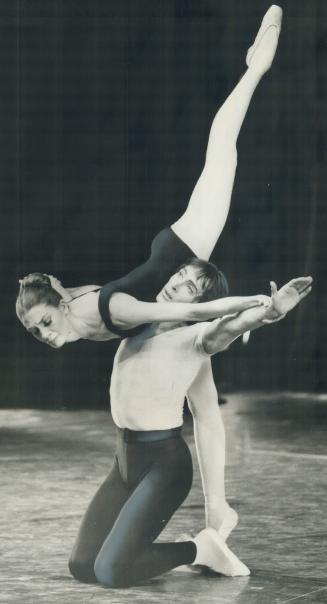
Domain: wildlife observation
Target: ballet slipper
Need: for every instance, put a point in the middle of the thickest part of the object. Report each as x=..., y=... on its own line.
x=213, y=552
x=272, y=18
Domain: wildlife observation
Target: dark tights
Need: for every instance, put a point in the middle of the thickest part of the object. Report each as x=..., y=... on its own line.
x=147, y=484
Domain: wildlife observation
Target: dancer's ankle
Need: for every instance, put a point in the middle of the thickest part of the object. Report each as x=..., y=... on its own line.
x=216, y=509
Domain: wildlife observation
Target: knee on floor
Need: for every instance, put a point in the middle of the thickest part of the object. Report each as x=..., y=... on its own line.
x=112, y=574
x=82, y=569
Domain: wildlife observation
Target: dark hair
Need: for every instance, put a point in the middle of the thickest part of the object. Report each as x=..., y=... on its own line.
x=35, y=289
x=214, y=282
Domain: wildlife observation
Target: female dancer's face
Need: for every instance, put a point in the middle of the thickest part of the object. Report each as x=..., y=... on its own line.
x=48, y=324
x=183, y=286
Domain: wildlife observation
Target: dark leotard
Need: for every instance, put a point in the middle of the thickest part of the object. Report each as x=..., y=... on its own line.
x=168, y=252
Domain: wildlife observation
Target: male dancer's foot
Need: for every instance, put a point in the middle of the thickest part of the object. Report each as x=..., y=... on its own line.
x=213, y=552
x=261, y=54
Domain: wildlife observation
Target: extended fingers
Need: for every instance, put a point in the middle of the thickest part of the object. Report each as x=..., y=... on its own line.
x=301, y=283
x=305, y=292
x=273, y=287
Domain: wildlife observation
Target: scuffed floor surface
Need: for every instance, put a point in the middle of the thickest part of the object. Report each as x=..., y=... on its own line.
x=53, y=461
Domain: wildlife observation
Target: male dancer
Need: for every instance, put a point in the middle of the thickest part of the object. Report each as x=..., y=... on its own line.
x=152, y=373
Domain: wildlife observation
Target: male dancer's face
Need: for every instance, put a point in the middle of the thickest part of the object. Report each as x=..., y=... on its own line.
x=183, y=286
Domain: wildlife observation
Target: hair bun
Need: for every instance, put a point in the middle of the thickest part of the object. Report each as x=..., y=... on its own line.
x=36, y=280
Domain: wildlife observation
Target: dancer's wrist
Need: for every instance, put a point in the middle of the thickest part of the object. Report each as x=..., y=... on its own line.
x=272, y=314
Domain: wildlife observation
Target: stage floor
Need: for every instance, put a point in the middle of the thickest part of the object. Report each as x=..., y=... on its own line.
x=53, y=461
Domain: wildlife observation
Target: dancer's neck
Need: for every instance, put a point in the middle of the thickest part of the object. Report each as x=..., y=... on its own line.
x=85, y=319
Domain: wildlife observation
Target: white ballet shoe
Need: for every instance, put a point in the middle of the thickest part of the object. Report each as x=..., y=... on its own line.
x=272, y=18
x=212, y=551
x=228, y=524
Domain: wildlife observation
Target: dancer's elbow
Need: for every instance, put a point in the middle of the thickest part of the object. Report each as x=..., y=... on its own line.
x=219, y=339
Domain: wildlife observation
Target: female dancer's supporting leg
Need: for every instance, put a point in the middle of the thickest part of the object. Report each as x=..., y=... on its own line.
x=209, y=433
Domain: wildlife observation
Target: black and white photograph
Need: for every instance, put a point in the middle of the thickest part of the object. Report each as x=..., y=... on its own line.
x=163, y=409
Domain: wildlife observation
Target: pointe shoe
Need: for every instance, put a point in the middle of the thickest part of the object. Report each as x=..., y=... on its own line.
x=272, y=18
x=213, y=552
x=228, y=524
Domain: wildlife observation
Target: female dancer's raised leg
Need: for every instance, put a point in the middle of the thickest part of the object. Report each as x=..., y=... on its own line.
x=204, y=219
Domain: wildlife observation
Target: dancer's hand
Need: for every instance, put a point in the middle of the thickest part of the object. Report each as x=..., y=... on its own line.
x=59, y=288
x=55, y=283
x=287, y=297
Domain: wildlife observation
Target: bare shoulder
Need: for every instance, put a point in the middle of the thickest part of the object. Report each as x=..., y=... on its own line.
x=84, y=302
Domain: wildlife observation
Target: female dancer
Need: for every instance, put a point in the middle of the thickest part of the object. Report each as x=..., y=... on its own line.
x=116, y=309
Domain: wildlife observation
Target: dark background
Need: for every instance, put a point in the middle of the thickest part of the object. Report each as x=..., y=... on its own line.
x=105, y=109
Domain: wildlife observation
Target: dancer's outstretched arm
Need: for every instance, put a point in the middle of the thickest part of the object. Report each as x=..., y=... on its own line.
x=220, y=334
x=130, y=312
x=204, y=219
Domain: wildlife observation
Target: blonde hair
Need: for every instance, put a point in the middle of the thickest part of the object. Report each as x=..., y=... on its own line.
x=35, y=289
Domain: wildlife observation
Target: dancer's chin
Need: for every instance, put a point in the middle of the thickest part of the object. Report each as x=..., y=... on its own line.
x=58, y=342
